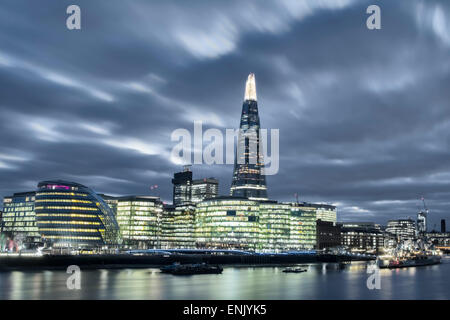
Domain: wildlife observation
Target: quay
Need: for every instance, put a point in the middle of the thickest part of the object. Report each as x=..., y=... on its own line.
x=157, y=258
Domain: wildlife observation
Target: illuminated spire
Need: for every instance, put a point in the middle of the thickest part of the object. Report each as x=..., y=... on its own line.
x=250, y=88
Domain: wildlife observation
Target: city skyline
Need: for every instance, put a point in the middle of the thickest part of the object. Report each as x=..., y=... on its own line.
x=359, y=127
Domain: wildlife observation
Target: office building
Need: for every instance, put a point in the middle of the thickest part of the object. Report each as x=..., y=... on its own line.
x=19, y=219
x=422, y=222
x=403, y=229
x=249, y=180
x=204, y=189
x=362, y=236
x=227, y=223
x=187, y=191
x=302, y=226
x=184, y=227
x=69, y=214
x=182, y=184
x=275, y=225
x=325, y=212
x=139, y=219
x=328, y=235
x=443, y=229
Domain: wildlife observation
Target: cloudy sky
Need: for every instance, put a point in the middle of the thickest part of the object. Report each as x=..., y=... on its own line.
x=364, y=115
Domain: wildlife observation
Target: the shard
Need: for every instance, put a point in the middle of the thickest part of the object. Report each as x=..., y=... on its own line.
x=248, y=180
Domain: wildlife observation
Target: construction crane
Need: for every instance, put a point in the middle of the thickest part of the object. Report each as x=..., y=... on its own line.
x=424, y=205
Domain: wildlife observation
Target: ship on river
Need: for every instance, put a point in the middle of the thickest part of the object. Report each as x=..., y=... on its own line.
x=413, y=261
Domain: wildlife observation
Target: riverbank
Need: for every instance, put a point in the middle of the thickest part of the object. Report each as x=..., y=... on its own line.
x=120, y=261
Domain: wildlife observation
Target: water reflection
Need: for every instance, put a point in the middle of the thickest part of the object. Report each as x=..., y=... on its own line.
x=322, y=281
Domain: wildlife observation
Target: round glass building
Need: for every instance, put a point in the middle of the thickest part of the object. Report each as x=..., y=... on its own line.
x=69, y=214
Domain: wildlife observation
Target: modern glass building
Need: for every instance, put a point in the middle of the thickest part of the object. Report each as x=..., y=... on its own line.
x=422, y=221
x=303, y=226
x=19, y=218
x=139, y=219
x=184, y=227
x=402, y=229
x=187, y=191
x=274, y=226
x=248, y=178
x=227, y=223
x=167, y=239
x=203, y=189
x=69, y=214
x=325, y=212
x=182, y=184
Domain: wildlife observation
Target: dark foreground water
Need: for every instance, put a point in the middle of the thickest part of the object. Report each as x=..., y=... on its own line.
x=322, y=281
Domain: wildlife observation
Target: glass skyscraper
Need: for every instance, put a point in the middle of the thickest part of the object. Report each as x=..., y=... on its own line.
x=248, y=180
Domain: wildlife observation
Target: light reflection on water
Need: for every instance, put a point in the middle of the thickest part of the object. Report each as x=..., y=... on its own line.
x=322, y=281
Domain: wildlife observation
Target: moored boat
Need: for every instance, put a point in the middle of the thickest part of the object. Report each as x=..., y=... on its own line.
x=415, y=261
x=294, y=270
x=189, y=269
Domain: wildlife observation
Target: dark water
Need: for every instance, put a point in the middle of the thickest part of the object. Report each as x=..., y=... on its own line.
x=320, y=282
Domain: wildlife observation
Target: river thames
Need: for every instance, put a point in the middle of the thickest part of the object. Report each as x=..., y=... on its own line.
x=322, y=281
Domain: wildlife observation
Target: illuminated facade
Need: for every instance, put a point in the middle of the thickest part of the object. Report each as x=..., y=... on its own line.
x=302, y=224
x=227, y=223
x=19, y=218
x=267, y=226
x=204, y=189
x=275, y=226
x=362, y=236
x=187, y=191
x=422, y=222
x=248, y=178
x=182, y=184
x=184, y=227
x=139, y=219
x=403, y=229
x=167, y=239
x=325, y=212
x=71, y=215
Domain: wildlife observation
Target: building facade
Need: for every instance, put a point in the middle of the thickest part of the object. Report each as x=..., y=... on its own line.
x=422, y=222
x=275, y=226
x=139, y=219
x=362, y=236
x=249, y=180
x=19, y=219
x=204, y=189
x=325, y=212
x=187, y=191
x=69, y=214
x=302, y=226
x=182, y=187
x=227, y=223
x=328, y=235
x=402, y=229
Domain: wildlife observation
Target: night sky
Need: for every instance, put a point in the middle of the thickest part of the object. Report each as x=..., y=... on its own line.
x=364, y=115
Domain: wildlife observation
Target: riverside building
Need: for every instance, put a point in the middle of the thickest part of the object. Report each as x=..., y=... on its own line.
x=402, y=229
x=139, y=219
x=227, y=223
x=19, y=218
x=362, y=236
x=69, y=214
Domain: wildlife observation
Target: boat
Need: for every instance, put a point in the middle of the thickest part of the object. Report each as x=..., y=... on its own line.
x=294, y=270
x=415, y=261
x=189, y=269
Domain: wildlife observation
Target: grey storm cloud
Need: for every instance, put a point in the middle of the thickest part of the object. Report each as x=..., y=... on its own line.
x=363, y=115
